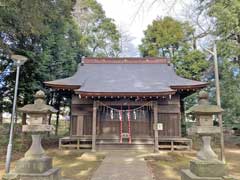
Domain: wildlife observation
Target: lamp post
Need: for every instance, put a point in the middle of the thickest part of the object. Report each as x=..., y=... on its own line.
x=18, y=60
x=216, y=74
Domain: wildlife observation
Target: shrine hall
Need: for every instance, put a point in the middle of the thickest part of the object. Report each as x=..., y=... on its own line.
x=126, y=103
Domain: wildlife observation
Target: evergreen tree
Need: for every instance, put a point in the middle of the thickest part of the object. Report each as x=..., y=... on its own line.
x=226, y=20
x=168, y=37
x=100, y=34
x=46, y=33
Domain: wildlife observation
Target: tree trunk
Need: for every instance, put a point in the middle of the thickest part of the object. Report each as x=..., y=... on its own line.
x=183, y=118
x=1, y=116
x=58, y=112
x=194, y=43
x=238, y=40
x=70, y=113
x=24, y=119
x=50, y=102
x=57, y=123
x=1, y=113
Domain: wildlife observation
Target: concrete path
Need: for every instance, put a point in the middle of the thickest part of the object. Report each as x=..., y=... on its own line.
x=123, y=165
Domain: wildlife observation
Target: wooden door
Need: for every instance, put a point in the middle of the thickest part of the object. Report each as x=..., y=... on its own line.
x=87, y=124
x=140, y=125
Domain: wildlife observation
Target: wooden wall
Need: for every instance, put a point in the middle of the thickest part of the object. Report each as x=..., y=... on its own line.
x=168, y=114
x=81, y=123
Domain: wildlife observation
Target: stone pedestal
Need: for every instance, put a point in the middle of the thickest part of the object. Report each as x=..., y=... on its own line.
x=10, y=177
x=204, y=170
x=35, y=165
x=51, y=174
x=38, y=165
x=214, y=168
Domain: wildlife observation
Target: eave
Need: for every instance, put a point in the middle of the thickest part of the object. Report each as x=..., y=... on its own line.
x=62, y=86
x=125, y=94
x=189, y=87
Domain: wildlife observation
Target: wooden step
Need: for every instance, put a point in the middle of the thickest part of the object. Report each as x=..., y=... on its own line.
x=125, y=141
x=124, y=147
x=132, y=143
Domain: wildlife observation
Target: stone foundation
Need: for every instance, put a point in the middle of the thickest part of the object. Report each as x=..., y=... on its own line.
x=51, y=174
x=37, y=165
x=206, y=170
x=186, y=174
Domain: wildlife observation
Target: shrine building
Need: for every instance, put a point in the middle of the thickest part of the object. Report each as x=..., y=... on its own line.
x=125, y=102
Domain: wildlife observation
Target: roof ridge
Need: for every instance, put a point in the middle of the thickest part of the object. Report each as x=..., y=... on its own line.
x=126, y=60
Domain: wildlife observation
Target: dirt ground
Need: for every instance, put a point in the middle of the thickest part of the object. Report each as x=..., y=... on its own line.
x=80, y=165
x=74, y=164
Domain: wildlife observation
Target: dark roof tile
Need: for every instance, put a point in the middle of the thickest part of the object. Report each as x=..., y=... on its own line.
x=140, y=76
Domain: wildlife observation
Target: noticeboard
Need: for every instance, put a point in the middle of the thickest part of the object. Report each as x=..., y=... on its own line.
x=160, y=126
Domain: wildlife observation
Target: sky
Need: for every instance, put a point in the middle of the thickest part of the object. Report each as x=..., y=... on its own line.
x=133, y=16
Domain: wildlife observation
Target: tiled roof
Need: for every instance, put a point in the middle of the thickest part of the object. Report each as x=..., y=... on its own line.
x=125, y=75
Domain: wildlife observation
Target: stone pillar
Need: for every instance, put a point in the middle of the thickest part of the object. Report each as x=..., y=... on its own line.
x=206, y=152
x=36, y=150
x=94, y=124
x=155, y=117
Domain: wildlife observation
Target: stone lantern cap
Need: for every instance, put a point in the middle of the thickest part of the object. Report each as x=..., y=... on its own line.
x=203, y=112
x=38, y=114
x=204, y=107
x=39, y=106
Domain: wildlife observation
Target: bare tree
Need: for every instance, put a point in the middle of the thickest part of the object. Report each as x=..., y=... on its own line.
x=144, y=6
x=127, y=48
x=203, y=24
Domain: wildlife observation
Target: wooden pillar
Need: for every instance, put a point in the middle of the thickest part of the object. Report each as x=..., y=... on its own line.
x=70, y=115
x=155, y=118
x=94, y=123
x=98, y=121
x=182, y=119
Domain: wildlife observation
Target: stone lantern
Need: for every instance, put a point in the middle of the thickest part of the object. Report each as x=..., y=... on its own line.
x=36, y=165
x=206, y=166
x=204, y=112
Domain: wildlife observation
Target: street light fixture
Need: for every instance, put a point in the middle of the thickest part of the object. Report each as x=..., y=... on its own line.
x=216, y=74
x=18, y=60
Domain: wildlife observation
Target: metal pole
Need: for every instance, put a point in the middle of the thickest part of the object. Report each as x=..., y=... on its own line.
x=222, y=156
x=13, y=118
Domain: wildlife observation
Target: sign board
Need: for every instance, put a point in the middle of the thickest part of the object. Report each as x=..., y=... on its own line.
x=160, y=126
